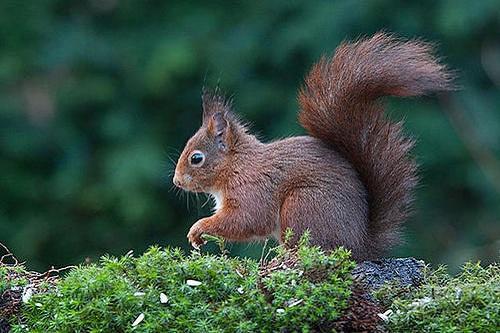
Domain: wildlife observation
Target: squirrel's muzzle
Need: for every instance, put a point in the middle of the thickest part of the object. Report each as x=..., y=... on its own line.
x=177, y=180
x=182, y=181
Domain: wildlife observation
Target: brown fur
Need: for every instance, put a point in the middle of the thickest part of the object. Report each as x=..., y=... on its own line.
x=350, y=183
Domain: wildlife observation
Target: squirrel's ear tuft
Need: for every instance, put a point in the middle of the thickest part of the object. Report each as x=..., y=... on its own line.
x=216, y=118
x=212, y=103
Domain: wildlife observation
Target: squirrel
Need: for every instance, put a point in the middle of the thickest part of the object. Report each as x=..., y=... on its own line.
x=349, y=183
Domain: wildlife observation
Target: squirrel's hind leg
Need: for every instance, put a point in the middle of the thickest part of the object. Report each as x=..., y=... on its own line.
x=325, y=215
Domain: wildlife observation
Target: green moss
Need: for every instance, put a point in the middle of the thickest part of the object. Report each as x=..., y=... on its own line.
x=468, y=302
x=301, y=290
x=234, y=295
x=3, y=279
x=12, y=276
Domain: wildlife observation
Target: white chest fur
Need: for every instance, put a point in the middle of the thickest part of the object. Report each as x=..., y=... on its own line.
x=218, y=200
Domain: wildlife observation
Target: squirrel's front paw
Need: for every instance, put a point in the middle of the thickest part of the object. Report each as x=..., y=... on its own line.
x=194, y=235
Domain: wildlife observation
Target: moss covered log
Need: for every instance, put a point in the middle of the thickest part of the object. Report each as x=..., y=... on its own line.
x=302, y=290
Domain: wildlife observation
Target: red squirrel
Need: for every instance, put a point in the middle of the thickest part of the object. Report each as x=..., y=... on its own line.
x=349, y=183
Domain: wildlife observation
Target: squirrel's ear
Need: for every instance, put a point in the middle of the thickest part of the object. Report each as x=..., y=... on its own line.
x=216, y=118
x=219, y=128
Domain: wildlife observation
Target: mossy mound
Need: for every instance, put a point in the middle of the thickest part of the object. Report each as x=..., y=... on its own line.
x=299, y=290
x=166, y=290
x=468, y=302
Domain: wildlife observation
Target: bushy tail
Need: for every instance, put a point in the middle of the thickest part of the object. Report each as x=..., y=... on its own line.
x=339, y=106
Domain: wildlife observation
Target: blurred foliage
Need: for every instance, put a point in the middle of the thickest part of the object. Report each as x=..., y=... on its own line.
x=97, y=97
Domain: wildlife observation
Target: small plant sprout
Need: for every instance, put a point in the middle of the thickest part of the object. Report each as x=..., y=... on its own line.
x=221, y=243
x=288, y=235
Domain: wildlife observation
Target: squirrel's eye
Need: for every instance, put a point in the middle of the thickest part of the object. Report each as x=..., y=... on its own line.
x=197, y=158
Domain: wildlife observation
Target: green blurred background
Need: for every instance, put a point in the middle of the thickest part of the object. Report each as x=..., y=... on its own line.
x=97, y=97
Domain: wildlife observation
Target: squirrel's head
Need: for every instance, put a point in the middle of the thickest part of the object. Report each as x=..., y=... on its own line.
x=210, y=151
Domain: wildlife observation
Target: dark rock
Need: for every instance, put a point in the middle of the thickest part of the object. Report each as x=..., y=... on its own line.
x=373, y=274
x=362, y=314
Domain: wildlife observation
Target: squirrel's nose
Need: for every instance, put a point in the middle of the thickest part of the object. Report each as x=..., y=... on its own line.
x=176, y=180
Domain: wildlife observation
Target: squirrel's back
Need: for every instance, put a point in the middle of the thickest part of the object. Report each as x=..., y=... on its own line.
x=339, y=106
